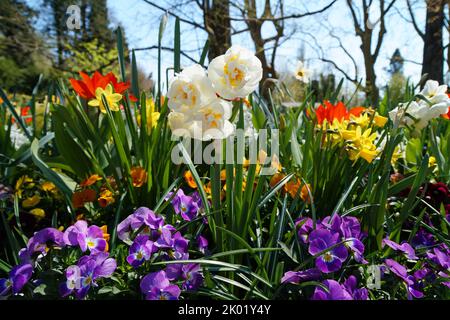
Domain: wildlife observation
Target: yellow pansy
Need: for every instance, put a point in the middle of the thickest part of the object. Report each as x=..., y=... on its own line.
x=38, y=213
x=106, y=198
x=111, y=98
x=48, y=186
x=21, y=183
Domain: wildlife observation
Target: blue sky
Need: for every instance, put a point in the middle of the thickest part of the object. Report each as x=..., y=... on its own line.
x=141, y=23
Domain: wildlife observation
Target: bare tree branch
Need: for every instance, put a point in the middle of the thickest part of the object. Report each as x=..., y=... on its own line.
x=193, y=23
x=413, y=20
x=184, y=54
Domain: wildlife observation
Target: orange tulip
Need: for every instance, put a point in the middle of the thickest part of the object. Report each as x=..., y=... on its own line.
x=86, y=87
x=338, y=111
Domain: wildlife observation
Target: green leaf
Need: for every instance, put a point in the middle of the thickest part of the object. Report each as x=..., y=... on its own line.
x=61, y=182
x=177, y=47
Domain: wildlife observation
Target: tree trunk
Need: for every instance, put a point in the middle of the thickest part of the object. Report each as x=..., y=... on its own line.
x=255, y=27
x=218, y=27
x=371, y=89
x=433, y=57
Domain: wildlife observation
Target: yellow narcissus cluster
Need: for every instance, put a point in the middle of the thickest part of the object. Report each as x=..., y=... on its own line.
x=354, y=130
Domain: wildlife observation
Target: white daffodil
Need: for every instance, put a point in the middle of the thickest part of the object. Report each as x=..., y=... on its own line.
x=178, y=123
x=191, y=89
x=214, y=120
x=18, y=138
x=235, y=74
x=417, y=114
x=301, y=73
x=208, y=122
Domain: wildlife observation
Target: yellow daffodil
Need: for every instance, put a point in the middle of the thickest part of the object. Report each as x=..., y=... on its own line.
x=362, y=120
x=360, y=144
x=396, y=155
x=151, y=115
x=111, y=98
x=380, y=121
x=431, y=161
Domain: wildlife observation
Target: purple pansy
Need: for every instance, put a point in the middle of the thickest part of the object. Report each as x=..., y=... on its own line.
x=18, y=278
x=164, y=236
x=41, y=241
x=330, y=261
x=351, y=285
x=306, y=227
x=142, y=216
x=357, y=248
x=439, y=257
x=192, y=276
x=336, y=291
x=202, y=244
x=140, y=251
x=86, y=237
x=301, y=276
x=400, y=271
x=403, y=247
x=156, y=286
x=349, y=230
x=82, y=276
x=422, y=239
x=5, y=192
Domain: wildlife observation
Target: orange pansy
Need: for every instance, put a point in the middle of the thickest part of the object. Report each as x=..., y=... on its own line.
x=90, y=181
x=189, y=178
x=138, y=176
x=79, y=198
x=106, y=198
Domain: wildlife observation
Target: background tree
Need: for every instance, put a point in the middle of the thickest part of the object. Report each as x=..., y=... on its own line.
x=365, y=31
x=22, y=50
x=224, y=19
x=433, y=49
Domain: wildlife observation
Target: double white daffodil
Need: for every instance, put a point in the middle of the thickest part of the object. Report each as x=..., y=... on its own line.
x=196, y=99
